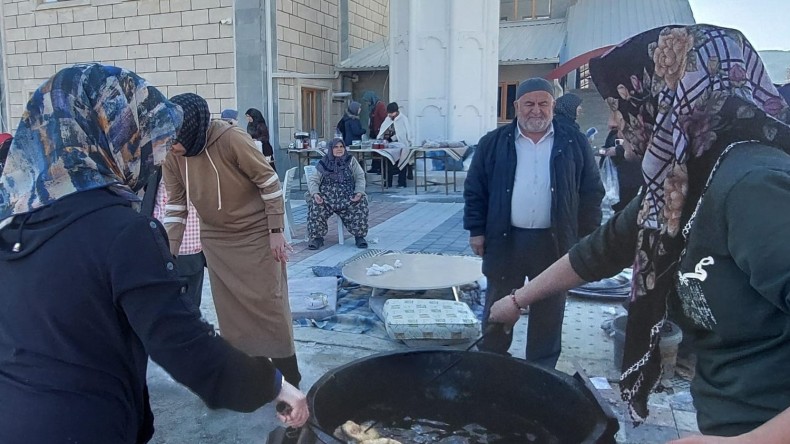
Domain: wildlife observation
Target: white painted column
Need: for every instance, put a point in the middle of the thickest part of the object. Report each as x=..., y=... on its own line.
x=444, y=57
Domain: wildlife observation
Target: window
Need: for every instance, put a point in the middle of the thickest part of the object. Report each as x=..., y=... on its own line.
x=313, y=110
x=505, y=98
x=583, y=80
x=511, y=10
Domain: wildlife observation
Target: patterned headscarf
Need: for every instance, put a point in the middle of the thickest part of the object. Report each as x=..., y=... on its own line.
x=89, y=126
x=567, y=105
x=336, y=169
x=680, y=95
x=197, y=117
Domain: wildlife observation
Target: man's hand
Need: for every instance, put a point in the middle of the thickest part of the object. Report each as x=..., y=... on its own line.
x=292, y=406
x=356, y=198
x=279, y=246
x=318, y=199
x=478, y=244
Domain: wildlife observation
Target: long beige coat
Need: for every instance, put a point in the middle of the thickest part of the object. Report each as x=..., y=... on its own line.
x=238, y=198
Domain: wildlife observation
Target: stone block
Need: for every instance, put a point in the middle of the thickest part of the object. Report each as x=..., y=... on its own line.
x=148, y=7
x=206, y=91
x=94, y=27
x=115, y=24
x=124, y=9
x=137, y=51
x=225, y=31
x=104, y=12
x=13, y=73
x=224, y=90
x=78, y=55
x=59, y=44
x=290, y=36
x=44, y=71
x=297, y=23
x=305, y=66
x=225, y=75
x=164, y=6
x=70, y=29
x=17, y=60
x=26, y=21
x=199, y=17
x=180, y=5
x=163, y=49
x=182, y=63
x=162, y=78
x=46, y=17
x=193, y=47
x=163, y=64
x=136, y=23
x=210, y=31
x=25, y=46
x=151, y=36
x=205, y=4
x=217, y=46
x=65, y=16
x=208, y=61
x=229, y=103
x=226, y=3
x=214, y=105
x=195, y=77
x=144, y=65
x=217, y=14
x=166, y=20
x=90, y=41
x=10, y=22
x=225, y=60
x=125, y=38
x=36, y=32
x=177, y=34
x=10, y=9
x=15, y=35
x=126, y=64
x=105, y=54
x=34, y=58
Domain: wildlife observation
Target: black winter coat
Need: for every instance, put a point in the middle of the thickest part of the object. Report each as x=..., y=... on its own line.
x=575, y=186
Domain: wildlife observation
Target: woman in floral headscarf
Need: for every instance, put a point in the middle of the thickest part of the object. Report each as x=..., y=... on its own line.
x=711, y=231
x=89, y=289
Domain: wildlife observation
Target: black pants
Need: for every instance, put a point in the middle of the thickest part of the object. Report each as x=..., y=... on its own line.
x=401, y=173
x=190, y=268
x=289, y=368
x=525, y=253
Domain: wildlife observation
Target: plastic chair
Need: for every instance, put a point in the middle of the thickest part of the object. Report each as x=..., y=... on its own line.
x=309, y=170
x=287, y=186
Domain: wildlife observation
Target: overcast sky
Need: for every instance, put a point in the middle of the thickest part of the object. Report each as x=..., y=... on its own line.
x=766, y=23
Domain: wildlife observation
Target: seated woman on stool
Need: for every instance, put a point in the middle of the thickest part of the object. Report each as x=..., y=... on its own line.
x=337, y=187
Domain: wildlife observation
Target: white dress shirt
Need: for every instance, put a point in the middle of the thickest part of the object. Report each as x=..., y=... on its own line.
x=531, y=198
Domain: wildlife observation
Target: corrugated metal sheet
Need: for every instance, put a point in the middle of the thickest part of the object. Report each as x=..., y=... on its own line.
x=593, y=24
x=525, y=42
x=375, y=57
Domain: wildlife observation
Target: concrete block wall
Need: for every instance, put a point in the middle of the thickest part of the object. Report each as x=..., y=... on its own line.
x=368, y=22
x=177, y=45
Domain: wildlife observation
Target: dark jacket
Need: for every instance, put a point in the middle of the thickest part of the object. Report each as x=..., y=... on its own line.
x=629, y=172
x=260, y=132
x=575, y=185
x=736, y=314
x=92, y=293
x=350, y=128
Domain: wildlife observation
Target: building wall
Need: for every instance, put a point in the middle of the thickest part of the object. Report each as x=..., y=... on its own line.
x=177, y=45
x=368, y=22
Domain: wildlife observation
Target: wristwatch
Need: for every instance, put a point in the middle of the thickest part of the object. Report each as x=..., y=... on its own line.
x=275, y=230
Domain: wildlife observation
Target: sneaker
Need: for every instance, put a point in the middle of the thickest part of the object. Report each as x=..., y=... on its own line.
x=361, y=242
x=315, y=243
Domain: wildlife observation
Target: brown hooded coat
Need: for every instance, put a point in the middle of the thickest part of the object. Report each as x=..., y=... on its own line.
x=238, y=199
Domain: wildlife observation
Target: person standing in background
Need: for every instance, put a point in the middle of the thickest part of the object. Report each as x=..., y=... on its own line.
x=190, y=259
x=629, y=168
x=378, y=112
x=240, y=202
x=349, y=125
x=532, y=191
x=259, y=131
x=568, y=108
x=230, y=115
x=395, y=128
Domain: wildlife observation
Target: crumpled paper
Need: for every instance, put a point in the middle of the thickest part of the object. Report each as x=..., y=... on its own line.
x=377, y=270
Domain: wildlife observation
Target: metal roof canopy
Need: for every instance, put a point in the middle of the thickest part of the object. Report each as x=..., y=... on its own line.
x=520, y=43
x=594, y=24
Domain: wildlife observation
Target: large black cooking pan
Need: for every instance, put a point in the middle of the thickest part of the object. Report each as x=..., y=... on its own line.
x=497, y=392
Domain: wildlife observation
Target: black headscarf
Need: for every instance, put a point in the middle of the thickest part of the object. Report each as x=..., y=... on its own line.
x=193, y=133
x=258, y=130
x=567, y=105
x=681, y=95
x=336, y=169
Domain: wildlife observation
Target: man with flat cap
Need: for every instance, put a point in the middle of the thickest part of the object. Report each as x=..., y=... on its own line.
x=532, y=191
